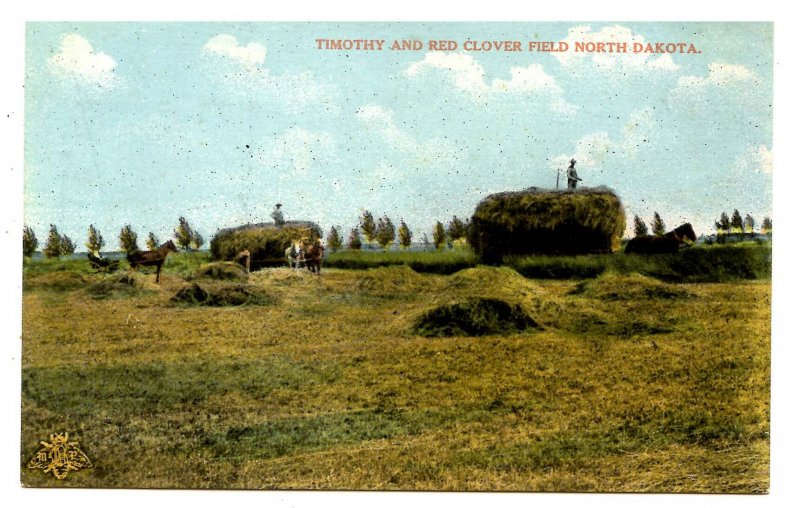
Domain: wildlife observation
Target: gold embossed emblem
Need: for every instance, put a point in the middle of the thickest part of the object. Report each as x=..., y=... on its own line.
x=59, y=456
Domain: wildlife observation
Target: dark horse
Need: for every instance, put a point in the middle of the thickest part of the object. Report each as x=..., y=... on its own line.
x=151, y=257
x=668, y=243
x=313, y=257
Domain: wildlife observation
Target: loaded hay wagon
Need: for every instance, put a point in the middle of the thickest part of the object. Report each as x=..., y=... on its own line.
x=538, y=221
x=266, y=242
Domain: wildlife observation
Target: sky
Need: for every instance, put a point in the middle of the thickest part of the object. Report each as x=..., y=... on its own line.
x=141, y=123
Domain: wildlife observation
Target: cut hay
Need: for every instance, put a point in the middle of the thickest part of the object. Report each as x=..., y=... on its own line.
x=474, y=317
x=389, y=280
x=228, y=295
x=612, y=286
x=56, y=281
x=220, y=270
x=123, y=284
x=536, y=221
x=266, y=242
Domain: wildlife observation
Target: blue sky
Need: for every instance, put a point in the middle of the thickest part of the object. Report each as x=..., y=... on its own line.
x=140, y=123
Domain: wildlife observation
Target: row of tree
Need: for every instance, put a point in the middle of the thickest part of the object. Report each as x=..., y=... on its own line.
x=384, y=233
x=734, y=224
x=58, y=245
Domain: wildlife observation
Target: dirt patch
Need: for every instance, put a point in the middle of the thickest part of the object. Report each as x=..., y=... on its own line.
x=474, y=317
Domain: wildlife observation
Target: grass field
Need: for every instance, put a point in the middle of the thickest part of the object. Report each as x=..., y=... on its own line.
x=626, y=383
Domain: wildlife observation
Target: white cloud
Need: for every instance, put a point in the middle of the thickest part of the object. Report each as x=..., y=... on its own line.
x=467, y=75
x=382, y=119
x=719, y=75
x=755, y=159
x=239, y=69
x=609, y=61
x=78, y=60
x=226, y=45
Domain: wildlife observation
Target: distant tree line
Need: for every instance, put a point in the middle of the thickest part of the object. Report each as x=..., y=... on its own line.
x=734, y=224
x=58, y=245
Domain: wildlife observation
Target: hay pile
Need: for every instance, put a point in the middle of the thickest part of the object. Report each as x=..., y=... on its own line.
x=536, y=221
x=220, y=270
x=390, y=280
x=612, y=286
x=124, y=284
x=474, y=317
x=266, y=242
x=227, y=295
x=55, y=281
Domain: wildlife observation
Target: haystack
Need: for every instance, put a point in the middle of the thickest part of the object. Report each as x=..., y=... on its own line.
x=390, y=280
x=266, y=241
x=612, y=286
x=536, y=221
x=220, y=270
x=474, y=317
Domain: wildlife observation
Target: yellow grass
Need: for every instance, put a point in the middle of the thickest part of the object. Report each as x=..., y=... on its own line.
x=329, y=389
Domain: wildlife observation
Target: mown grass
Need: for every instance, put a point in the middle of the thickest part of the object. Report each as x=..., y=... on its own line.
x=629, y=384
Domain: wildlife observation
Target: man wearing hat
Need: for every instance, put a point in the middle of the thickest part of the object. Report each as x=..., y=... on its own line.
x=572, y=176
x=277, y=215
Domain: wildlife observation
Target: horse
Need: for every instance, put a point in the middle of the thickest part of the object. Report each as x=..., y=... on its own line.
x=151, y=257
x=313, y=257
x=295, y=255
x=668, y=243
x=243, y=258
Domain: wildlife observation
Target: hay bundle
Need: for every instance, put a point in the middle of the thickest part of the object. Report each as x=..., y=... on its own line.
x=536, y=221
x=474, y=317
x=221, y=296
x=266, y=242
x=612, y=286
x=124, y=284
x=390, y=280
x=220, y=270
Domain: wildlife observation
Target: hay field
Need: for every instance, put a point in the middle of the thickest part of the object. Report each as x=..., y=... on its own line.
x=625, y=383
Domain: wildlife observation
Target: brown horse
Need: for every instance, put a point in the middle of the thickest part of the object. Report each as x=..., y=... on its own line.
x=668, y=243
x=313, y=257
x=152, y=257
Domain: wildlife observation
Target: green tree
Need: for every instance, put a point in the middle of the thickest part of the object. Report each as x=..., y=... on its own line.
x=95, y=241
x=67, y=246
x=354, y=241
x=639, y=226
x=405, y=234
x=439, y=235
x=749, y=224
x=657, y=225
x=368, y=226
x=152, y=241
x=766, y=226
x=197, y=240
x=52, y=248
x=184, y=233
x=334, y=239
x=737, y=225
x=385, y=233
x=456, y=229
x=128, y=239
x=425, y=241
x=29, y=241
x=724, y=223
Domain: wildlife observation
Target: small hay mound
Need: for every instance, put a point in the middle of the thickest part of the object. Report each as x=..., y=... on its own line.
x=266, y=242
x=221, y=270
x=537, y=221
x=123, y=284
x=388, y=280
x=474, y=317
x=229, y=295
x=612, y=286
x=56, y=281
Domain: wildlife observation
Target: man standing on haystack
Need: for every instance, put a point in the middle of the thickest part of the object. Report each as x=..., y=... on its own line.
x=572, y=176
x=277, y=215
